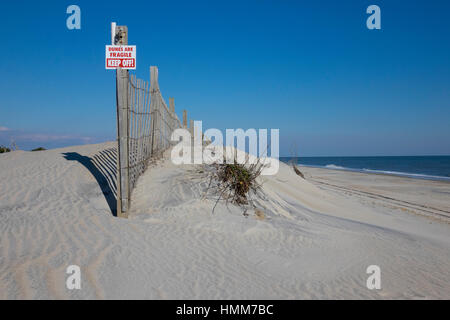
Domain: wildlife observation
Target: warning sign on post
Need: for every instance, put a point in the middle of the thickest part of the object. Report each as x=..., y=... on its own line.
x=120, y=57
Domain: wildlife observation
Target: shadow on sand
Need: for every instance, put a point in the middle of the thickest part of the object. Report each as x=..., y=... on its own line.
x=103, y=167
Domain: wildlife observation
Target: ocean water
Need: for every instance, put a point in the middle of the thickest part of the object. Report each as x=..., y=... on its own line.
x=420, y=167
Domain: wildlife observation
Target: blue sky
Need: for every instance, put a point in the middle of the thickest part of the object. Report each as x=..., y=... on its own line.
x=310, y=68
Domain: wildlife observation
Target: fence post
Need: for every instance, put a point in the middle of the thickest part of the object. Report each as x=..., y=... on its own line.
x=172, y=115
x=122, y=77
x=191, y=127
x=172, y=105
x=155, y=109
x=184, y=119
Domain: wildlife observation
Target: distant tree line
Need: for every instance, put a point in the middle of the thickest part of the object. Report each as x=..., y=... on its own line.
x=4, y=149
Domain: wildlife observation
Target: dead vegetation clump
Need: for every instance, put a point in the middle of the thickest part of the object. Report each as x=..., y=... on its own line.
x=294, y=160
x=236, y=183
x=297, y=171
x=238, y=180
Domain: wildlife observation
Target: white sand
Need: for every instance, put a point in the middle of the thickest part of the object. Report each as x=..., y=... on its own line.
x=315, y=241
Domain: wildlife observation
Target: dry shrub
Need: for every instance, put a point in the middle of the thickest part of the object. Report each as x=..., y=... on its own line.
x=235, y=183
x=294, y=160
x=297, y=171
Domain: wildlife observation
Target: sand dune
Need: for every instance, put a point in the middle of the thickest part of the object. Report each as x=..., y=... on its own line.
x=315, y=241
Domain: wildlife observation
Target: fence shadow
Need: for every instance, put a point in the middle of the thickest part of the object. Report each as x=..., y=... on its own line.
x=103, y=167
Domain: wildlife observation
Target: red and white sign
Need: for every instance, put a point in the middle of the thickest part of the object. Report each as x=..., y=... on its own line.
x=120, y=57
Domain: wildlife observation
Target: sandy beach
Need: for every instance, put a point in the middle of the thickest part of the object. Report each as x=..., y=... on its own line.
x=315, y=239
x=423, y=197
